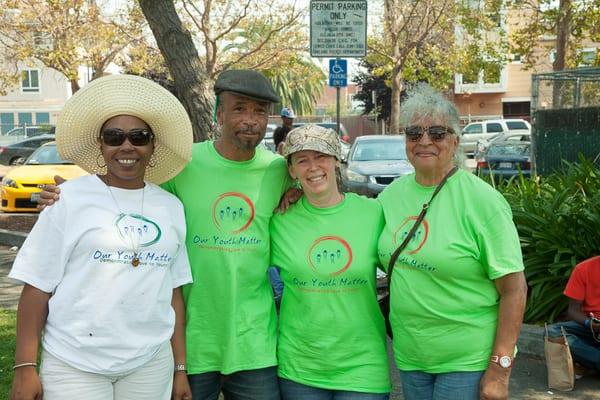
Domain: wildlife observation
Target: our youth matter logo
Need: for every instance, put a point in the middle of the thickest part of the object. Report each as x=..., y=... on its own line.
x=138, y=229
x=330, y=255
x=233, y=212
x=419, y=238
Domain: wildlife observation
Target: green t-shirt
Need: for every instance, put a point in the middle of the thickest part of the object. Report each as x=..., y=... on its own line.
x=231, y=321
x=444, y=305
x=331, y=332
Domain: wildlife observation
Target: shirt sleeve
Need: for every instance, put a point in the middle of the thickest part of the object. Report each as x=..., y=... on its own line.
x=169, y=186
x=576, y=285
x=42, y=259
x=499, y=244
x=181, y=273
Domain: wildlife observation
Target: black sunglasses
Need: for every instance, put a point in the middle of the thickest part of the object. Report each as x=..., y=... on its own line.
x=116, y=137
x=436, y=133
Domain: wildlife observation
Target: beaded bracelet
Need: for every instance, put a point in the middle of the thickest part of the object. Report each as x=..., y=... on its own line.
x=28, y=364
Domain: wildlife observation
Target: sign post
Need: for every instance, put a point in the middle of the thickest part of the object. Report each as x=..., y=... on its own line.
x=338, y=77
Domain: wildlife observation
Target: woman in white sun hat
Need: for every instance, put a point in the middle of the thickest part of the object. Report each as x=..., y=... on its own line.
x=103, y=267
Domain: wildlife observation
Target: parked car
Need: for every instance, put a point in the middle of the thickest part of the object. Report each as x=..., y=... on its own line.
x=17, y=153
x=21, y=186
x=344, y=138
x=506, y=159
x=483, y=145
x=374, y=161
x=487, y=130
x=32, y=130
x=267, y=141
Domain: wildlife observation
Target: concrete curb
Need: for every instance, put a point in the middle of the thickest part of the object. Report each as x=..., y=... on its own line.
x=531, y=341
x=12, y=238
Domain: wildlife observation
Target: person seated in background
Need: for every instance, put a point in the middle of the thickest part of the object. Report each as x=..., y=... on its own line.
x=583, y=328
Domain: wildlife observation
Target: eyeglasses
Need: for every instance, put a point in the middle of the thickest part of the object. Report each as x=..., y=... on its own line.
x=116, y=137
x=436, y=133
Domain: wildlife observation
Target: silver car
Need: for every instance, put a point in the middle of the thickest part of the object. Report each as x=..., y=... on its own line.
x=374, y=161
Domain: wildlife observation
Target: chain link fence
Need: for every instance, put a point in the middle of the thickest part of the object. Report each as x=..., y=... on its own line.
x=565, y=107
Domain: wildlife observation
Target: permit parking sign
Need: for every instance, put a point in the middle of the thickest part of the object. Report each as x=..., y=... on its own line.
x=338, y=28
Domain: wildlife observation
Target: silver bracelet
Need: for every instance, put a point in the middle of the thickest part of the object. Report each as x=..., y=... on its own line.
x=29, y=364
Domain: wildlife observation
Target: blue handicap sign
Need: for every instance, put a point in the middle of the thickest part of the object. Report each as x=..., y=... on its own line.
x=338, y=72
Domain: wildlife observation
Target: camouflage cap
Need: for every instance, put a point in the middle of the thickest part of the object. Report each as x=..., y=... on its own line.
x=312, y=137
x=247, y=83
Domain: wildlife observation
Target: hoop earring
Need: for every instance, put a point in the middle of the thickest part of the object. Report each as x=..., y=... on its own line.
x=98, y=162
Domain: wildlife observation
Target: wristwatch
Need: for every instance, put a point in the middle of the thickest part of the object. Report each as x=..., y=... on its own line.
x=503, y=361
x=180, y=367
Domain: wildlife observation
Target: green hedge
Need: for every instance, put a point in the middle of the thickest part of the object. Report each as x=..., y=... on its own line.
x=558, y=219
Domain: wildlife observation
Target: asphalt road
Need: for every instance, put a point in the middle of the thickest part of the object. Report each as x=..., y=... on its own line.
x=528, y=380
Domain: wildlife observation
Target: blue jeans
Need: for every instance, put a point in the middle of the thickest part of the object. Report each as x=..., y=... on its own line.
x=276, y=283
x=291, y=390
x=419, y=385
x=256, y=384
x=584, y=349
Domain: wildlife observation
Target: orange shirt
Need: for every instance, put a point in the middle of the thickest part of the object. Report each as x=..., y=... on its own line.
x=584, y=285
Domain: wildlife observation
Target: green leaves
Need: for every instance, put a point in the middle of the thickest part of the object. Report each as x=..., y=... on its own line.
x=558, y=219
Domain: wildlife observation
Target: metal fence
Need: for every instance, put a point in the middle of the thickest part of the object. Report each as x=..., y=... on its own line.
x=565, y=117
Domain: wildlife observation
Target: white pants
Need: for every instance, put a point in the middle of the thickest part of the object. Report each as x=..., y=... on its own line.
x=151, y=381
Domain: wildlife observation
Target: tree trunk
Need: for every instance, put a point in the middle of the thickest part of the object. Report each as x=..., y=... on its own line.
x=395, y=106
x=177, y=47
x=562, y=34
x=74, y=86
x=563, y=28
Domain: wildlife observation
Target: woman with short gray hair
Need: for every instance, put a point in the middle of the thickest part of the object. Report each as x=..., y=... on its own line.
x=457, y=288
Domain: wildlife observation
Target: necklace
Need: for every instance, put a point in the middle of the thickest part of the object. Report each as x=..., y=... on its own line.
x=135, y=244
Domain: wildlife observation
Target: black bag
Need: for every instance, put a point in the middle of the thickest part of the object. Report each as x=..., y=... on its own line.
x=384, y=298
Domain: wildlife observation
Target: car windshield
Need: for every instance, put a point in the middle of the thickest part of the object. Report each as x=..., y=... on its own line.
x=46, y=155
x=509, y=149
x=370, y=150
x=512, y=125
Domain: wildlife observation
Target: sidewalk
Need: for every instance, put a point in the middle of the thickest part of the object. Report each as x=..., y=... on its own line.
x=528, y=380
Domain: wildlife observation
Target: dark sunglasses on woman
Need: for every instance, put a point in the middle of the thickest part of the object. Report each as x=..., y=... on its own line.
x=116, y=137
x=436, y=133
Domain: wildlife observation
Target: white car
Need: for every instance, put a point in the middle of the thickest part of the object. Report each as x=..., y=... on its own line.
x=489, y=129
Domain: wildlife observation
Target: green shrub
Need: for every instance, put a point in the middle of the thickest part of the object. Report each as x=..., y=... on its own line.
x=558, y=219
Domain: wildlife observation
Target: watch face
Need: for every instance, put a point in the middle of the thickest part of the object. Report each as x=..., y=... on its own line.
x=505, y=362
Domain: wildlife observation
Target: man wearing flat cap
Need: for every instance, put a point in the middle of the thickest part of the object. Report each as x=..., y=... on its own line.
x=229, y=191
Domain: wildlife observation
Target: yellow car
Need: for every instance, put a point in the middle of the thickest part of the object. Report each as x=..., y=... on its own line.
x=21, y=185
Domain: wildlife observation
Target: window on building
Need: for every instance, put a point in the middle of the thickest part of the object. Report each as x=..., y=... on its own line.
x=588, y=56
x=42, y=40
x=31, y=81
x=517, y=109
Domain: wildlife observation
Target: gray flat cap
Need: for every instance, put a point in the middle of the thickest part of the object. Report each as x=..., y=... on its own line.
x=247, y=83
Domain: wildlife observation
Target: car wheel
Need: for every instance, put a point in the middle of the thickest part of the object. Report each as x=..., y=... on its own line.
x=17, y=161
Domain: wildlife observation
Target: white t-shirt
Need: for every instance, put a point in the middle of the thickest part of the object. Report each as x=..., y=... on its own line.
x=105, y=315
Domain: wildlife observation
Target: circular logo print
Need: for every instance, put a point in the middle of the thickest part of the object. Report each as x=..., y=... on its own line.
x=135, y=228
x=331, y=255
x=233, y=212
x=418, y=239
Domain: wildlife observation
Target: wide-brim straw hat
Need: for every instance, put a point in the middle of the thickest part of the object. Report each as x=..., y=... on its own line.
x=80, y=121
